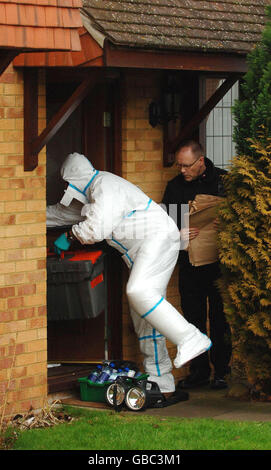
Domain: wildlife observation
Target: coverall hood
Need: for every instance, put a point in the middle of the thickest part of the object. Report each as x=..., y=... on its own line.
x=78, y=172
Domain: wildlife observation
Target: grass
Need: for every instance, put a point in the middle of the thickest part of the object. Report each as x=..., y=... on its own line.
x=108, y=430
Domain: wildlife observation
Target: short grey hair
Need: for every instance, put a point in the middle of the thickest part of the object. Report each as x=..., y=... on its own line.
x=196, y=147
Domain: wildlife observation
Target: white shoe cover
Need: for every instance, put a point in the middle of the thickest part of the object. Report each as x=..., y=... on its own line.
x=197, y=344
x=165, y=382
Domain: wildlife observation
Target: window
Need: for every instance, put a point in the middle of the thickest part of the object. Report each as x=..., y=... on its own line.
x=217, y=129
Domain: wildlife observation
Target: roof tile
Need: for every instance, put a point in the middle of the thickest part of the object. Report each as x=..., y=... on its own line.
x=41, y=24
x=90, y=54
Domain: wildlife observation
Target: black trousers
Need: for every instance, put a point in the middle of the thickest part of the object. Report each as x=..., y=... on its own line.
x=201, y=301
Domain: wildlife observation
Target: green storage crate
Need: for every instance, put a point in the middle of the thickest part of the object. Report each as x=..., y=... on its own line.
x=90, y=391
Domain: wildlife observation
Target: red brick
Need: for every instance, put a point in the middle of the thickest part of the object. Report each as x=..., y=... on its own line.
x=16, y=302
x=7, y=171
x=37, y=182
x=15, y=255
x=16, y=183
x=27, y=289
x=37, y=322
x=19, y=349
x=7, y=292
x=42, y=264
x=11, y=407
x=14, y=113
x=3, y=387
x=27, y=242
x=31, y=404
x=7, y=219
x=42, y=311
x=40, y=379
x=16, y=278
x=6, y=363
x=26, y=313
x=15, y=160
x=6, y=316
x=18, y=372
x=27, y=382
x=36, y=276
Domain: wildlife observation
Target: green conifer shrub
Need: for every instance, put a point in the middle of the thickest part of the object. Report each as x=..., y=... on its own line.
x=253, y=109
x=245, y=223
x=245, y=254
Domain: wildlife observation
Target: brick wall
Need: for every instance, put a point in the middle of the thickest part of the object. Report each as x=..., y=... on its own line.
x=23, y=342
x=142, y=164
x=23, y=366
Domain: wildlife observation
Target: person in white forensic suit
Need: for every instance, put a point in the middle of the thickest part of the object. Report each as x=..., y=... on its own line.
x=102, y=206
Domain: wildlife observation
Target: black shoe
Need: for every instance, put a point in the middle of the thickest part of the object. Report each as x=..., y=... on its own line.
x=176, y=397
x=218, y=383
x=193, y=380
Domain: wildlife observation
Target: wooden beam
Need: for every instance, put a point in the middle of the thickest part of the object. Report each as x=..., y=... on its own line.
x=174, y=60
x=35, y=143
x=6, y=57
x=188, y=130
x=64, y=113
x=30, y=117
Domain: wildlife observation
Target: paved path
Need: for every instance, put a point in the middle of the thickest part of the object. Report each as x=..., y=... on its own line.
x=203, y=403
x=206, y=403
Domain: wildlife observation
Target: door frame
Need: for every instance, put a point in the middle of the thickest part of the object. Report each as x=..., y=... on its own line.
x=113, y=138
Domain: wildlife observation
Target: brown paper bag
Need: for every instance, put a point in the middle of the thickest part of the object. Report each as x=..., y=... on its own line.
x=202, y=213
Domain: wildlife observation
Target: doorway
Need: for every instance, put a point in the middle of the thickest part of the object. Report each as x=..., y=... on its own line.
x=93, y=129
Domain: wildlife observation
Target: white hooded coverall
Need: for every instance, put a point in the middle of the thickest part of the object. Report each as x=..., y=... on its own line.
x=120, y=213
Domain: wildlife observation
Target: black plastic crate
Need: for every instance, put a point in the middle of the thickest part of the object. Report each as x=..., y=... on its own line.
x=76, y=286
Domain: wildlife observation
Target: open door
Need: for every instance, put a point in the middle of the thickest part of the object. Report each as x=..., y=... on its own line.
x=93, y=129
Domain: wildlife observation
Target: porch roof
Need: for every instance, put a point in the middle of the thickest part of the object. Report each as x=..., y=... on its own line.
x=226, y=26
x=40, y=24
x=204, y=35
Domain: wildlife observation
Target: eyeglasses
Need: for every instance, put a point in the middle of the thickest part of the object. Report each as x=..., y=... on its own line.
x=178, y=165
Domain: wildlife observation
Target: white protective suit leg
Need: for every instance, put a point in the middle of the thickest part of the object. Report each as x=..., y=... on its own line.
x=148, y=281
x=157, y=363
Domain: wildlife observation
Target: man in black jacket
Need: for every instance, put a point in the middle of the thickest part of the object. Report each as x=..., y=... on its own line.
x=197, y=285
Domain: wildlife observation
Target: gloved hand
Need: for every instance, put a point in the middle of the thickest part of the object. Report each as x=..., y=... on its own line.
x=61, y=244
